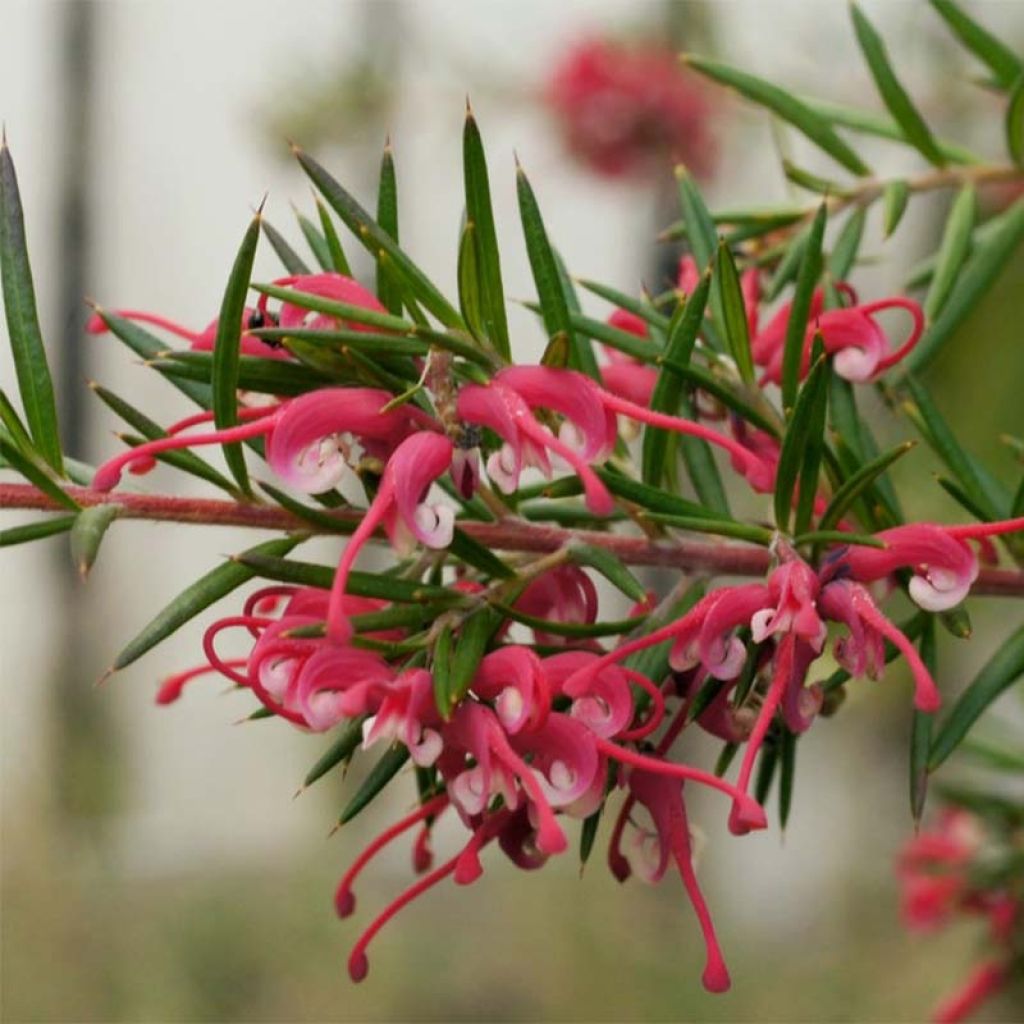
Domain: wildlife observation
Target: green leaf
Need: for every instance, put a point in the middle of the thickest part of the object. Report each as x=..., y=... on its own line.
x=639, y=307
x=473, y=553
x=844, y=252
x=700, y=226
x=1015, y=123
x=720, y=527
x=291, y=260
x=476, y=633
x=576, y=630
x=767, y=763
x=651, y=499
x=921, y=729
x=379, y=776
x=668, y=389
x=469, y=282
x=488, y=259
x=895, y=97
x=350, y=735
x=737, y=330
x=339, y=262
x=894, y=204
x=441, y=670
x=588, y=833
x=953, y=250
x=1001, y=60
x=857, y=484
x=784, y=105
x=583, y=351
x=87, y=534
x=988, y=257
x=315, y=240
x=35, y=475
x=35, y=531
x=986, y=493
x=377, y=241
x=199, y=596
x=388, y=291
x=34, y=384
x=640, y=349
x=868, y=122
x=12, y=421
x=184, y=459
x=998, y=673
x=372, y=342
x=609, y=566
x=789, y=265
x=226, y=351
x=554, y=309
x=265, y=376
x=796, y=326
x=268, y=565
x=804, y=433
x=810, y=182
x=838, y=537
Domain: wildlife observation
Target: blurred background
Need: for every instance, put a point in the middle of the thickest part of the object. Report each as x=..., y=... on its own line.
x=154, y=864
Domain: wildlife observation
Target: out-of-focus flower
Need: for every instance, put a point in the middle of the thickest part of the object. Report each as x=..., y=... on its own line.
x=628, y=109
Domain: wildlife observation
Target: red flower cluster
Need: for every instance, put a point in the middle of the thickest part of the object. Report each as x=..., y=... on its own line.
x=627, y=109
x=952, y=868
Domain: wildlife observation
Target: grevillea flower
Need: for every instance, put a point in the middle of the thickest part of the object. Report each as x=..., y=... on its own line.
x=400, y=505
x=943, y=563
x=625, y=109
x=204, y=340
x=328, y=285
x=663, y=799
x=563, y=594
x=861, y=348
x=945, y=870
x=309, y=438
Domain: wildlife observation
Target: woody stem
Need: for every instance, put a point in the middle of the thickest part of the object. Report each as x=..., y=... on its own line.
x=732, y=559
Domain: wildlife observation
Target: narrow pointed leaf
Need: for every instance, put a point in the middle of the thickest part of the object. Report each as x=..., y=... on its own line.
x=226, y=350
x=91, y=525
x=787, y=775
x=640, y=307
x=1015, y=123
x=488, y=259
x=805, y=419
x=289, y=258
x=197, y=597
x=315, y=240
x=12, y=421
x=339, y=261
x=651, y=499
x=554, y=309
x=583, y=351
x=855, y=486
x=35, y=531
x=989, y=49
x=470, y=294
x=998, y=674
x=473, y=553
x=380, y=775
x=953, y=250
x=737, y=331
x=609, y=566
x=350, y=735
x=35, y=385
x=894, y=204
x=893, y=94
x=34, y=474
x=988, y=258
x=476, y=633
x=789, y=265
x=844, y=253
x=388, y=290
x=796, y=327
x=376, y=241
x=921, y=729
x=669, y=387
x=784, y=105
x=441, y=670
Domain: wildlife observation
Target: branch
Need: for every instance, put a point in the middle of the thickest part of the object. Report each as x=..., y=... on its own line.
x=717, y=557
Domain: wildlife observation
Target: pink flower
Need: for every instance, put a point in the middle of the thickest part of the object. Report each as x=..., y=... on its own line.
x=408, y=715
x=623, y=110
x=563, y=594
x=204, y=340
x=663, y=799
x=328, y=285
x=401, y=507
x=514, y=679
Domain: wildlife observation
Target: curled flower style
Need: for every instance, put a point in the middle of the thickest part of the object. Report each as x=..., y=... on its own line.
x=852, y=334
x=625, y=109
x=204, y=340
x=943, y=564
x=309, y=438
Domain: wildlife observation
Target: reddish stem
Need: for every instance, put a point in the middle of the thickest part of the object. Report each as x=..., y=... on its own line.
x=511, y=535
